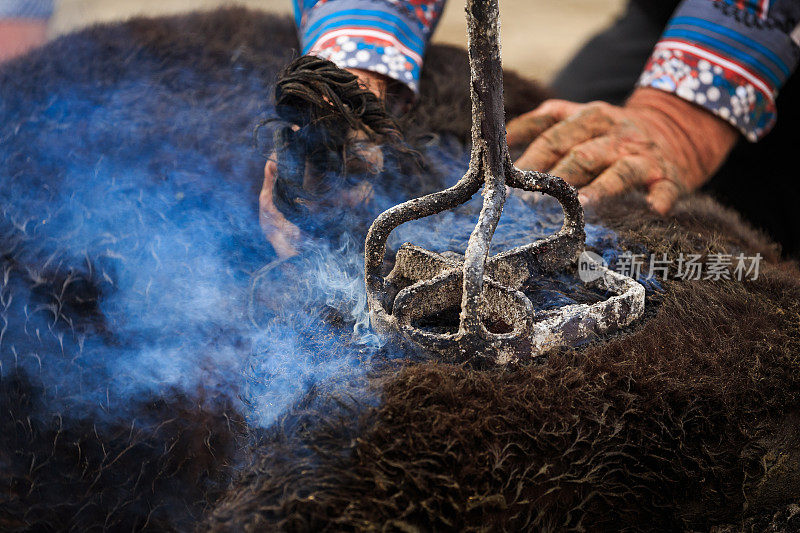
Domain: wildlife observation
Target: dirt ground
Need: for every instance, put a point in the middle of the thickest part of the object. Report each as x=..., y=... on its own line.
x=538, y=35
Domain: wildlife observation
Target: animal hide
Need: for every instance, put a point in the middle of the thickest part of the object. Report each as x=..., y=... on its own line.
x=133, y=376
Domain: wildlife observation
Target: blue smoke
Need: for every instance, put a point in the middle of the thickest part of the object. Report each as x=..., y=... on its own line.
x=133, y=266
x=129, y=236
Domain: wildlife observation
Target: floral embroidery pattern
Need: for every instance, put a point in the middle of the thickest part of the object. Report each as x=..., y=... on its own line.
x=373, y=54
x=385, y=36
x=713, y=85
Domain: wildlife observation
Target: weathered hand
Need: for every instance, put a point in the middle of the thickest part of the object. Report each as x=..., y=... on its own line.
x=657, y=142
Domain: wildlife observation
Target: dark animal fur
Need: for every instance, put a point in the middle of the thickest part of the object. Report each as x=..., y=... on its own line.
x=688, y=420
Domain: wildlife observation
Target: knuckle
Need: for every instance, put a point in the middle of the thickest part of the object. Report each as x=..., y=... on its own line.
x=578, y=161
x=659, y=173
x=593, y=118
x=547, y=142
x=677, y=187
x=596, y=106
x=554, y=107
x=547, y=107
x=664, y=171
x=581, y=156
x=628, y=172
x=599, y=108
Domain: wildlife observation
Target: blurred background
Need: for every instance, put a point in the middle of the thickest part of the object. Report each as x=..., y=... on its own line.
x=539, y=36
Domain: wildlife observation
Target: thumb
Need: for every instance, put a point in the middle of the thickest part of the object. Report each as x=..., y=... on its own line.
x=280, y=233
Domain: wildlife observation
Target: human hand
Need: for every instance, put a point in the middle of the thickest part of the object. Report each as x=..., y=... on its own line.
x=367, y=158
x=657, y=141
x=285, y=236
x=17, y=36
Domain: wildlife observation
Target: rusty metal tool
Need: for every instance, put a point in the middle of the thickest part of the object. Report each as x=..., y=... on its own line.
x=496, y=321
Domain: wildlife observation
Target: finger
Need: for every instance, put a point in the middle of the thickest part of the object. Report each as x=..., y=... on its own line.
x=280, y=233
x=586, y=161
x=663, y=195
x=550, y=146
x=529, y=197
x=522, y=130
x=270, y=175
x=281, y=243
x=266, y=199
x=628, y=173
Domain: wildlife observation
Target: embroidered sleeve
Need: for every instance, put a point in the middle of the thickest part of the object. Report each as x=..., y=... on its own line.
x=26, y=9
x=385, y=36
x=729, y=56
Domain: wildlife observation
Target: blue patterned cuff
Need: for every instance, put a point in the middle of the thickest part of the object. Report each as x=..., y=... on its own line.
x=384, y=36
x=26, y=9
x=730, y=59
x=367, y=54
